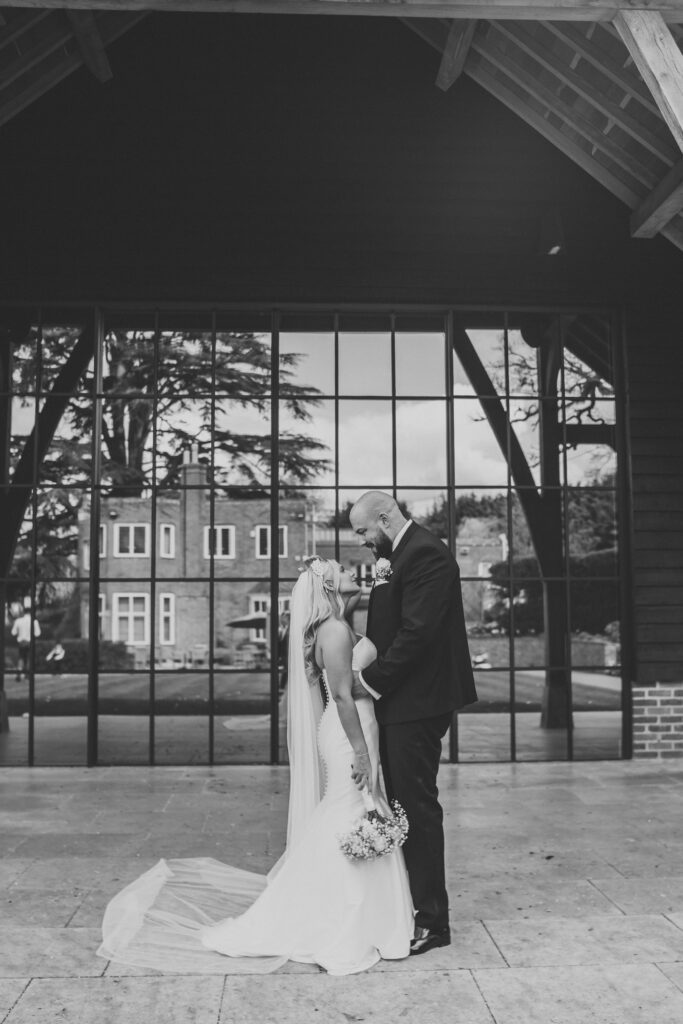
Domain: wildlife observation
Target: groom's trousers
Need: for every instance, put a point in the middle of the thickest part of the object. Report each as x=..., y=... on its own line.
x=410, y=753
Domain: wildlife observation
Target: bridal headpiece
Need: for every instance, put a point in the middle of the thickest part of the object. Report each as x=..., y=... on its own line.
x=318, y=566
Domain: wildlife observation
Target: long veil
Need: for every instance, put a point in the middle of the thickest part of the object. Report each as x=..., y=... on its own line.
x=156, y=922
x=304, y=710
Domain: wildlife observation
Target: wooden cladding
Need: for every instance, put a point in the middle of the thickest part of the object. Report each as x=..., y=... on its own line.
x=655, y=366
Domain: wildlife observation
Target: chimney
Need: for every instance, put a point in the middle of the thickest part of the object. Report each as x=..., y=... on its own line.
x=193, y=511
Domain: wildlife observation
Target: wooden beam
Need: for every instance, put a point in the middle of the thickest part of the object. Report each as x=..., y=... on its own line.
x=433, y=32
x=534, y=47
x=560, y=10
x=56, y=36
x=656, y=55
x=90, y=41
x=603, y=61
x=573, y=119
x=19, y=24
x=490, y=81
x=455, y=53
x=661, y=206
x=52, y=75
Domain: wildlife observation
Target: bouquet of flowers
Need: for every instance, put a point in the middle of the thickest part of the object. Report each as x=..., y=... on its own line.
x=375, y=835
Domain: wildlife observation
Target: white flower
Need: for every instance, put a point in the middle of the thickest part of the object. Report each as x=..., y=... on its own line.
x=383, y=570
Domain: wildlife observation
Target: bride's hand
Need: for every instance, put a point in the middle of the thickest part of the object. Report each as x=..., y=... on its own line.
x=361, y=769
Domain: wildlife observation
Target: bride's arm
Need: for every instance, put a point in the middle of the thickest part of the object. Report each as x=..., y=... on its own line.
x=336, y=648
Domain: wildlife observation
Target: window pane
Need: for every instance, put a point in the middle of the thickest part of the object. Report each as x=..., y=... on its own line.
x=421, y=443
x=140, y=540
x=365, y=363
x=306, y=443
x=478, y=456
x=365, y=443
x=243, y=354
x=420, y=363
x=485, y=346
x=307, y=363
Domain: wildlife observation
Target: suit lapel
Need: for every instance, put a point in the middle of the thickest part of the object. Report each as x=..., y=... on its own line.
x=410, y=532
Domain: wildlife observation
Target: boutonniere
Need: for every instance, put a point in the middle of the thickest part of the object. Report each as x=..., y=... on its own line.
x=383, y=571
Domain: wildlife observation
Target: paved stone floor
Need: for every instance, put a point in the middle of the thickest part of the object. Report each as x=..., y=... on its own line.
x=566, y=884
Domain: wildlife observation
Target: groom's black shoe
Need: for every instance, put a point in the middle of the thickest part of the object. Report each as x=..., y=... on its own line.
x=424, y=940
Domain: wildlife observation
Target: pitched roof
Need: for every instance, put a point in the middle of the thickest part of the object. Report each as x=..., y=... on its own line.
x=575, y=82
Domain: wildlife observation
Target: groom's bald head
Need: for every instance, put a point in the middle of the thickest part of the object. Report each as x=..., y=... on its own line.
x=376, y=519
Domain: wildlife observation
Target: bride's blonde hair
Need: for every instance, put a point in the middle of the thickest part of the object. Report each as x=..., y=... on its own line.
x=325, y=602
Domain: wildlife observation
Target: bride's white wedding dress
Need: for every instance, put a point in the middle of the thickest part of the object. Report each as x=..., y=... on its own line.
x=316, y=906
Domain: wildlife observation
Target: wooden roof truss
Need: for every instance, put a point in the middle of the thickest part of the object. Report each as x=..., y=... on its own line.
x=601, y=81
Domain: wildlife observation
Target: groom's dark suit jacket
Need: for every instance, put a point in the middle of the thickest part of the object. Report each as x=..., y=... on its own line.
x=417, y=623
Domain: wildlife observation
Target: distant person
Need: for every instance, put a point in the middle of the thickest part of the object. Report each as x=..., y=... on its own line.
x=22, y=631
x=283, y=648
x=55, y=657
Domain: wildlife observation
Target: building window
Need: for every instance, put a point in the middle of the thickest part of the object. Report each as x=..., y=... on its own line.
x=131, y=540
x=222, y=544
x=258, y=603
x=103, y=546
x=130, y=618
x=365, y=575
x=167, y=540
x=263, y=542
x=166, y=618
x=261, y=603
x=102, y=602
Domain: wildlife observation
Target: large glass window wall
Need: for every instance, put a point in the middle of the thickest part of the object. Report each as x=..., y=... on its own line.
x=165, y=472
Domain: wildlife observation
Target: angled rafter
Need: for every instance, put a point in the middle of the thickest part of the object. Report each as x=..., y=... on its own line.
x=543, y=55
x=54, y=73
x=656, y=55
x=661, y=206
x=48, y=44
x=89, y=39
x=488, y=80
x=21, y=23
x=455, y=53
x=566, y=10
x=572, y=118
x=492, y=83
x=600, y=59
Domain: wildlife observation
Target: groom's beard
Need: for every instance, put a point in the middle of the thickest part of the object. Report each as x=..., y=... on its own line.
x=383, y=547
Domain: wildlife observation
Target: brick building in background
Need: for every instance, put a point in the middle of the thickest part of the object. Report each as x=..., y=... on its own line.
x=183, y=575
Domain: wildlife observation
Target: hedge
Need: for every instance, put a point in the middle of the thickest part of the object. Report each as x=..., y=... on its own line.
x=113, y=656
x=594, y=602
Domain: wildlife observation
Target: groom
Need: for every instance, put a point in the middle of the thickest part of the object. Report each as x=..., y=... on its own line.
x=421, y=675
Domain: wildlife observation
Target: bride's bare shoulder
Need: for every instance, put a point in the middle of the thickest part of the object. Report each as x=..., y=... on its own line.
x=333, y=634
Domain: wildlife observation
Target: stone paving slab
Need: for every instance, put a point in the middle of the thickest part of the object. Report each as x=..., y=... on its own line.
x=659, y=895
x=418, y=999
x=49, y=908
x=581, y=995
x=565, y=881
x=81, y=872
x=674, y=972
x=49, y=952
x=169, y=1000
x=588, y=940
x=10, y=991
x=505, y=896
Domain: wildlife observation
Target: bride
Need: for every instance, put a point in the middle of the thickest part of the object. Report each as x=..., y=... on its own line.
x=315, y=905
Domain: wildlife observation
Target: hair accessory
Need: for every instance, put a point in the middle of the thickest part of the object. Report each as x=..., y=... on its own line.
x=317, y=567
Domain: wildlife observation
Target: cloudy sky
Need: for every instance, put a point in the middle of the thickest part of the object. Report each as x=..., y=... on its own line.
x=365, y=435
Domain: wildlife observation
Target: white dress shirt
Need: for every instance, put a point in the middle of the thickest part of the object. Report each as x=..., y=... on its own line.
x=395, y=543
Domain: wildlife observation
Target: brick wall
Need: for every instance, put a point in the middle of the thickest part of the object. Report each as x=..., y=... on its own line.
x=658, y=721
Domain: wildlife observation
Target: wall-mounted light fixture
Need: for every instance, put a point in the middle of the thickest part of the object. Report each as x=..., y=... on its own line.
x=550, y=234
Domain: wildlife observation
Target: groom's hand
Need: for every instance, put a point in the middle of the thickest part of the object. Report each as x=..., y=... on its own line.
x=358, y=691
